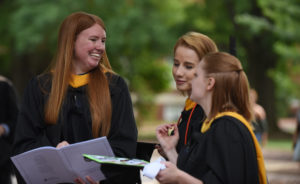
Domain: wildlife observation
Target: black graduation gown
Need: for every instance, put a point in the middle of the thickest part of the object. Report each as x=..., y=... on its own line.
x=197, y=119
x=8, y=116
x=225, y=154
x=74, y=123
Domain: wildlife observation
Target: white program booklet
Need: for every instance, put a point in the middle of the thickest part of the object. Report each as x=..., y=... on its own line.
x=51, y=165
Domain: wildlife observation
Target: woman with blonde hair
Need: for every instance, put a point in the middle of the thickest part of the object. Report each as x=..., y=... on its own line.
x=80, y=98
x=188, y=51
x=225, y=149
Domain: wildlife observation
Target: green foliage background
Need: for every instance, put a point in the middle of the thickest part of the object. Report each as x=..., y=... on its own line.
x=141, y=35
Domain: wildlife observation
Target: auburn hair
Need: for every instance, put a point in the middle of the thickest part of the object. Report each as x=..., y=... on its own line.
x=98, y=86
x=231, y=88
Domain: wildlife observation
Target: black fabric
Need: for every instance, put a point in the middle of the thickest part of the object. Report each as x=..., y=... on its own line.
x=144, y=150
x=197, y=119
x=225, y=154
x=74, y=123
x=8, y=116
x=5, y=176
x=130, y=175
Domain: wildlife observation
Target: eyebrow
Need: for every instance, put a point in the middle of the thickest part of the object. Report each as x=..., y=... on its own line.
x=95, y=36
x=184, y=62
x=188, y=62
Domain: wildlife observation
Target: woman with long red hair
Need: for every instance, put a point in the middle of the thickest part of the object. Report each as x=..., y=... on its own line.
x=80, y=98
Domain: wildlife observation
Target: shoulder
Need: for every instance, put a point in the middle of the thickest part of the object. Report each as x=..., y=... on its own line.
x=5, y=82
x=115, y=79
x=230, y=127
x=4, y=85
x=229, y=121
x=40, y=83
x=44, y=78
x=116, y=83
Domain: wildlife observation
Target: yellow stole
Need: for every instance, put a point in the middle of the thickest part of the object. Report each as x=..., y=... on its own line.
x=260, y=159
x=189, y=104
x=79, y=80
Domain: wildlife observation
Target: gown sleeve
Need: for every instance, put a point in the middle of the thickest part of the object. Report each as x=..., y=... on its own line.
x=30, y=127
x=123, y=134
x=231, y=155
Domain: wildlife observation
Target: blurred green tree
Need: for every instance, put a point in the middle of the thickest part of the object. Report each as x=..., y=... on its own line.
x=141, y=35
x=139, y=38
x=267, y=43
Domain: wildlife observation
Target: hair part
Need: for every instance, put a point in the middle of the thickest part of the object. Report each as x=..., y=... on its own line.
x=61, y=69
x=231, y=88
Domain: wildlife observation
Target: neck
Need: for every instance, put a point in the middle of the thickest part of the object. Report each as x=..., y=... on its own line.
x=206, y=105
x=189, y=93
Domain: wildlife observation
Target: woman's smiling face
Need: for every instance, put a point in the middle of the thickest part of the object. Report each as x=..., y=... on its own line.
x=184, y=68
x=89, y=49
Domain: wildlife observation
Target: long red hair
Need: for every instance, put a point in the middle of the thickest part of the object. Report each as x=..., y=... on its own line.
x=98, y=87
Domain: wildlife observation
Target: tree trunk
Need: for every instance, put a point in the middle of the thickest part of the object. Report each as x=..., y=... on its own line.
x=261, y=58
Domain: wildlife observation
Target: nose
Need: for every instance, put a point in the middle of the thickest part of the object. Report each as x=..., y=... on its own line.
x=100, y=45
x=179, y=71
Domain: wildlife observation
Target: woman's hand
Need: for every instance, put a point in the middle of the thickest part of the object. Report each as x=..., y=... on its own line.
x=168, y=141
x=62, y=144
x=169, y=174
x=172, y=175
x=88, y=178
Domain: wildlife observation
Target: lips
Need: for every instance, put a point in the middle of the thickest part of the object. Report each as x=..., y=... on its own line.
x=180, y=82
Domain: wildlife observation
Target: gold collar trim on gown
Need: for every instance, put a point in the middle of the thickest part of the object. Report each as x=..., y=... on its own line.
x=189, y=104
x=79, y=80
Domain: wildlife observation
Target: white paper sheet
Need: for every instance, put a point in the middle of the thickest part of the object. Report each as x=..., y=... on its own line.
x=151, y=170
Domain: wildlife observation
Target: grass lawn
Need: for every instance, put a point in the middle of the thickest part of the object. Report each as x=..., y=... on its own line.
x=280, y=144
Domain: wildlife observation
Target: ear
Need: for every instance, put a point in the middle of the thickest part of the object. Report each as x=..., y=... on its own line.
x=210, y=83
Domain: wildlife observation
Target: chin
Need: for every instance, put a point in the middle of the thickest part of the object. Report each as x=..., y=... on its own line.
x=183, y=88
x=94, y=65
